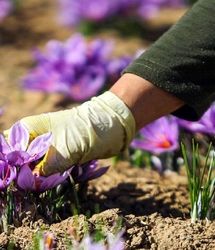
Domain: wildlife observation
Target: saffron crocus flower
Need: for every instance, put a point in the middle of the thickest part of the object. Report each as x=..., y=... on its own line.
x=113, y=243
x=7, y=172
x=5, y=8
x=159, y=136
x=16, y=150
x=87, y=171
x=73, y=12
x=75, y=68
x=29, y=181
x=47, y=241
x=205, y=125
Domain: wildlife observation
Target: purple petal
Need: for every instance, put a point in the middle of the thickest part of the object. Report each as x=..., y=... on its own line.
x=116, y=242
x=18, y=137
x=18, y=158
x=39, y=146
x=52, y=181
x=6, y=180
x=96, y=174
x=4, y=146
x=89, y=84
x=13, y=174
x=159, y=136
x=149, y=146
x=87, y=171
x=25, y=179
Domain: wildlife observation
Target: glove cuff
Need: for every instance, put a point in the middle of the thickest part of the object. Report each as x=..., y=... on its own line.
x=122, y=112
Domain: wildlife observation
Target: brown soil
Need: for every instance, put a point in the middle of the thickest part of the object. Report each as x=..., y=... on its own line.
x=154, y=209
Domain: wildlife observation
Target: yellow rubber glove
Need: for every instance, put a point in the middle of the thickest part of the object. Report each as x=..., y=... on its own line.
x=97, y=129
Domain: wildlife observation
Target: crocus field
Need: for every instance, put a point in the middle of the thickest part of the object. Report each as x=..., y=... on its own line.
x=158, y=194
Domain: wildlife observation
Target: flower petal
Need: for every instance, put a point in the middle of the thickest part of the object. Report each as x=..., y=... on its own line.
x=87, y=171
x=39, y=146
x=12, y=176
x=8, y=176
x=18, y=137
x=4, y=146
x=18, y=158
x=96, y=174
x=52, y=181
x=25, y=179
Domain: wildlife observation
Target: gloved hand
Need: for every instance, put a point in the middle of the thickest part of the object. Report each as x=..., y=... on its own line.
x=97, y=129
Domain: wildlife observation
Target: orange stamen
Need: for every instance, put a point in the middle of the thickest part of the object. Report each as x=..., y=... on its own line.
x=49, y=241
x=165, y=144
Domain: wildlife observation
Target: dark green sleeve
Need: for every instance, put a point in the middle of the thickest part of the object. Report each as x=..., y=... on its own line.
x=182, y=61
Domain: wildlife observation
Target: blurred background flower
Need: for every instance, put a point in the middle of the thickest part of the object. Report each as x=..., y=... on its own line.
x=75, y=68
x=73, y=13
x=205, y=125
x=159, y=136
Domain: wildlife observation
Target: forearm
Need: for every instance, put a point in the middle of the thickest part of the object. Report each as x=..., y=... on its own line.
x=182, y=61
x=145, y=101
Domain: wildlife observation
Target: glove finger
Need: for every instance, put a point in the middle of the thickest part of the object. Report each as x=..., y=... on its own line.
x=53, y=162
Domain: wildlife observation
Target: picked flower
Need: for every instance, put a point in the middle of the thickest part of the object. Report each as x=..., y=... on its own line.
x=17, y=155
x=205, y=125
x=17, y=150
x=75, y=68
x=159, y=136
x=18, y=160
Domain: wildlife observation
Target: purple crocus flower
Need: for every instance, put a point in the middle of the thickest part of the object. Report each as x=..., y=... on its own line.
x=75, y=68
x=97, y=11
x=87, y=171
x=47, y=241
x=5, y=8
x=16, y=150
x=159, y=136
x=113, y=243
x=17, y=154
x=205, y=125
x=29, y=181
x=73, y=12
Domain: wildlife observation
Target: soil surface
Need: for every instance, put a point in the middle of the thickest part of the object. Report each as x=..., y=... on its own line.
x=152, y=209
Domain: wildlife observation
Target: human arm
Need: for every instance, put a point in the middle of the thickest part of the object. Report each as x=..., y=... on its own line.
x=175, y=74
x=182, y=61
x=102, y=127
